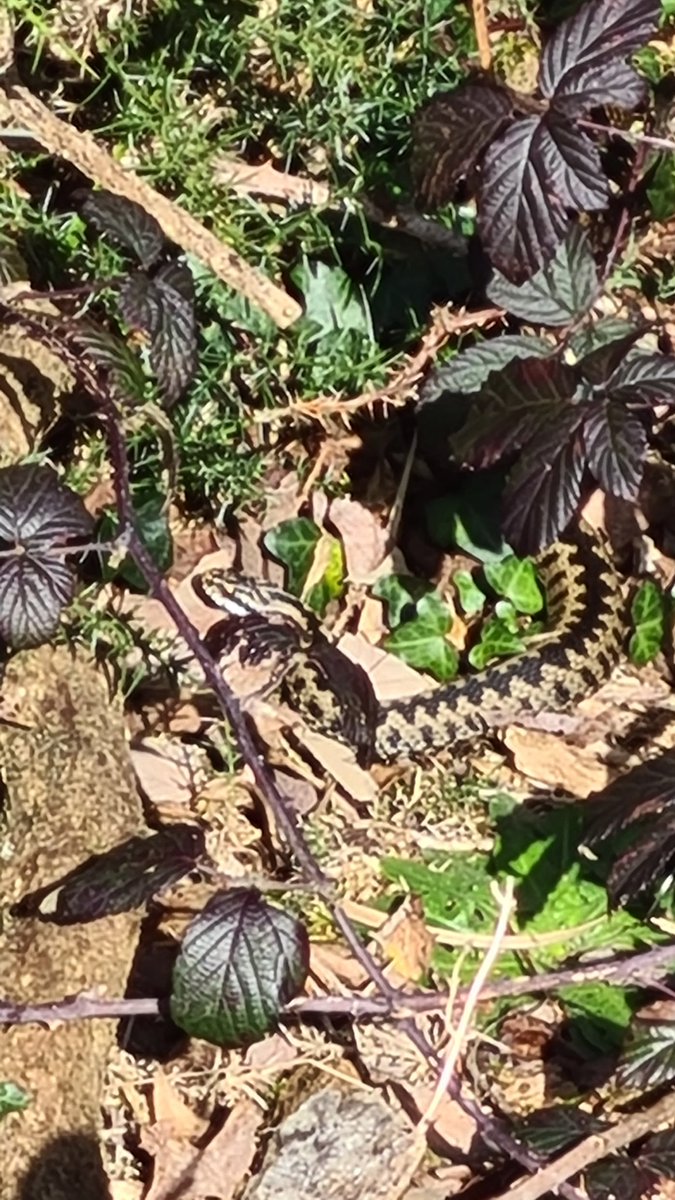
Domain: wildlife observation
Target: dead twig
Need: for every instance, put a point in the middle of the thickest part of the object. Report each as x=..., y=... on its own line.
x=482, y=35
x=20, y=107
x=400, y=387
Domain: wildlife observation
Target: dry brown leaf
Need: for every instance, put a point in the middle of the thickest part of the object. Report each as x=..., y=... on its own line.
x=212, y=1173
x=549, y=760
x=364, y=539
x=334, y=966
x=126, y=1189
x=407, y=942
x=170, y=1110
x=171, y=773
x=391, y=678
x=339, y=761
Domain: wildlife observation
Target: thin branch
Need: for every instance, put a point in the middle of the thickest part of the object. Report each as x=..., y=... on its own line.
x=482, y=35
x=461, y=1033
x=81, y=151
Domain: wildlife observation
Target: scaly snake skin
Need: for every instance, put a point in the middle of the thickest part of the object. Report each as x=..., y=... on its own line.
x=586, y=614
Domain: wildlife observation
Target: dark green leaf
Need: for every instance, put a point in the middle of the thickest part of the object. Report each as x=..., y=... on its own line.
x=616, y=1178
x=401, y=594
x=450, y=133
x=517, y=580
x=422, y=642
x=294, y=542
x=559, y=292
x=658, y=1155
x=240, y=962
x=616, y=447
x=12, y=1098
x=163, y=306
x=469, y=370
x=128, y=222
x=648, y=1059
x=469, y=518
x=551, y=1130
x=119, y=880
x=649, y=618
x=40, y=518
x=661, y=193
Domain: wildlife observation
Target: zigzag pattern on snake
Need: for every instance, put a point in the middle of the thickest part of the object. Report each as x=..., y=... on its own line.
x=585, y=608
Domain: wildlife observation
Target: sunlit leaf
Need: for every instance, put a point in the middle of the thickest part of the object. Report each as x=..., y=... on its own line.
x=584, y=60
x=648, y=1059
x=449, y=135
x=294, y=542
x=517, y=580
x=163, y=307
x=241, y=961
x=498, y=639
x=471, y=598
x=334, y=303
x=40, y=519
x=401, y=594
x=422, y=642
x=128, y=222
x=648, y=612
x=12, y=1098
x=616, y=445
x=119, y=880
x=563, y=289
x=532, y=176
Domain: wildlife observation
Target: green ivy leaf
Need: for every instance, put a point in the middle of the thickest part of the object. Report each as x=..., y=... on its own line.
x=471, y=598
x=498, y=639
x=648, y=612
x=331, y=585
x=400, y=592
x=516, y=579
x=294, y=542
x=12, y=1098
x=422, y=642
x=151, y=521
x=240, y=962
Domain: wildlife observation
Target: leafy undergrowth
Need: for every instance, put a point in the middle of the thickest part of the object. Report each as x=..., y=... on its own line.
x=460, y=391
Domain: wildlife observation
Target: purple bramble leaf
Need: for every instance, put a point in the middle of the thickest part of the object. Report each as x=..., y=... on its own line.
x=449, y=135
x=584, y=62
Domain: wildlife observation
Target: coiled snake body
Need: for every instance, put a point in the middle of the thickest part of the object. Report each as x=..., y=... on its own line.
x=586, y=618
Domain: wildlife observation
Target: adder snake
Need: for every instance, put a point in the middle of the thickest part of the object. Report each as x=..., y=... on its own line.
x=586, y=617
